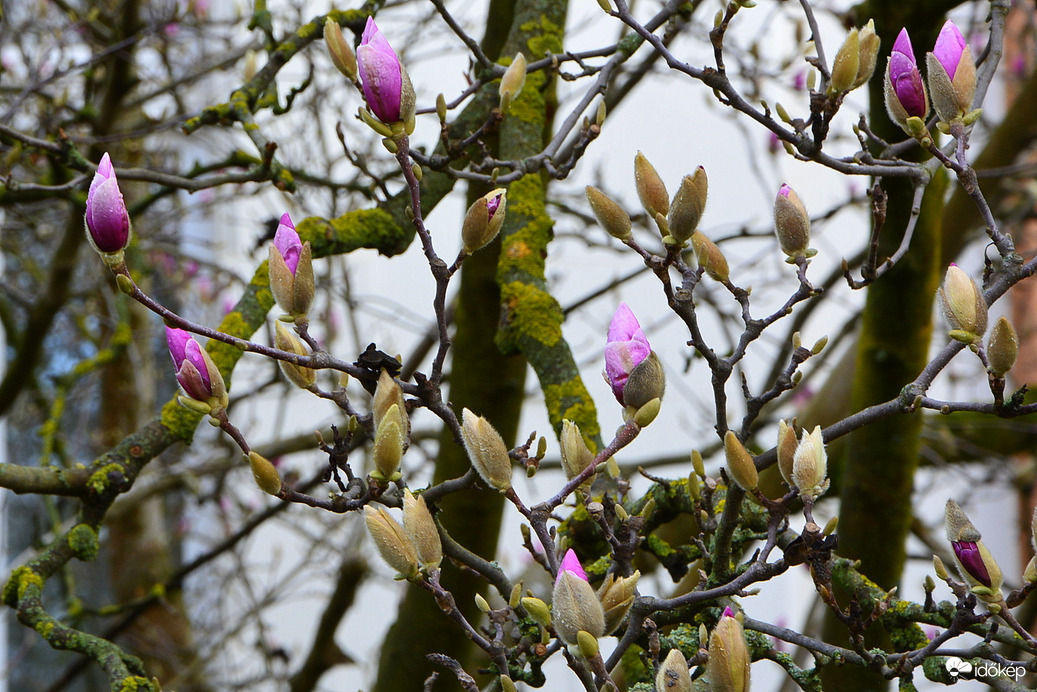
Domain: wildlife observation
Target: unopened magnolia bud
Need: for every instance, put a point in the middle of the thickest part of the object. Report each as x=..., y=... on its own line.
x=792, y=224
x=291, y=270
x=1002, y=347
x=296, y=374
x=387, y=393
x=389, y=441
x=266, y=475
x=952, y=74
x=940, y=568
x=575, y=607
x=487, y=450
x=507, y=684
x=698, y=464
x=392, y=542
x=963, y=305
x=646, y=381
x=587, y=643
x=481, y=603
x=688, y=205
x=819, y=345
x=512, y=82
x=483, y=221
x=610, y=215
x=673, y=675
x=846, y=64
x=642, y=416
x=341, y=53
x=516, y=596
x=729, y=662
x=710, y=258
x=575, y=454
x=1030, y=573
x=251, y=58
x=810, y=465
x=740, y=463
x=537, y=610
x=787, y=446
x=976, y=564
x=929, y=584
x=420, y=527
x=650, y=188
x=869, y=43
x=616, y=596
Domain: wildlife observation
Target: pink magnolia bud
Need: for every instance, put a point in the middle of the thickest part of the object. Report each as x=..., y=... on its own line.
x=952, y=74
x=575, y=607
x=625, y=347
x=107, y=221
x=288, y=243
x=291, y=270
x=195, y=371
x=631, y=367
x=978, y=566
x=387, y=88
x=905, y=92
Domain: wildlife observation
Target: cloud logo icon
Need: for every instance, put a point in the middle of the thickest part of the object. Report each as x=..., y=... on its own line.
x=957, y=667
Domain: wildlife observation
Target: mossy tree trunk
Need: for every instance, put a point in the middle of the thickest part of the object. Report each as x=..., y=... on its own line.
x=483, y=379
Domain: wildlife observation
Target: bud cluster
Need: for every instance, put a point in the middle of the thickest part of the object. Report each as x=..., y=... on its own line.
x=411, y=549
x=803, y=464
x=951, y=72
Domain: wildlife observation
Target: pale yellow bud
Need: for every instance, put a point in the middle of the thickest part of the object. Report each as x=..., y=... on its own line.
x=612, y=217
x=296, y=374
x=688, y=205
x=869, y=43
x=740, y=463
x=729, y=662
x=537, y=610
x=792, y=224
x=575, y=608
x=650, y=188
x=709, y=257
x=575, y=454
x=787, y=446
x=963, y=305
x=339, y=49
x=393, y=544
x=673, y=675
x=512, y=82
x=616, y=596
x=1002, y=347
x=386, y=394
x=810, y=465
x=389, y=440
x=265, y=474
x=487, y=451
x=419, y=525
x=846, y=64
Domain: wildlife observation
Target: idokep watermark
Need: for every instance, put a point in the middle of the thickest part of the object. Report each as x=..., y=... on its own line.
x=960, y=668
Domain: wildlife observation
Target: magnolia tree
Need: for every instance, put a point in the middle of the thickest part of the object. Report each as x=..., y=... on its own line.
x=633, y=579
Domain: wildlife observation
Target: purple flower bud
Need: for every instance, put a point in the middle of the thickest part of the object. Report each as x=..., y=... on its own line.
x=381, y=75
x=287, y=242
x=950, y=44
x=107, y=220
x=192, y=372
x=625, y=347
x=728, y=612
x=571, y=564
x=905, y=78
x=972, y=561
x=492, y=204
